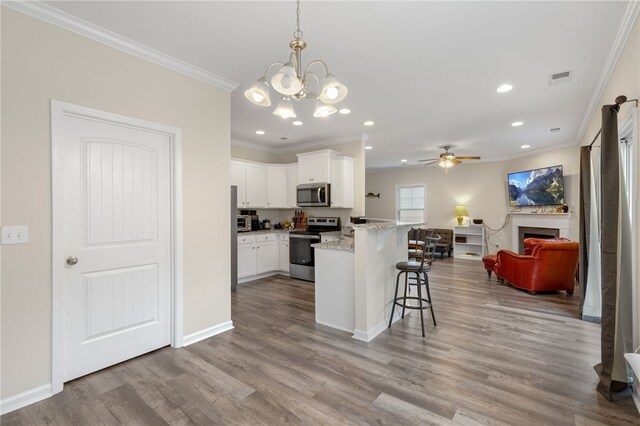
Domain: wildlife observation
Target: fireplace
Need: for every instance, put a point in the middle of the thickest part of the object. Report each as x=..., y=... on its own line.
x=535, y=232
x=540, y=225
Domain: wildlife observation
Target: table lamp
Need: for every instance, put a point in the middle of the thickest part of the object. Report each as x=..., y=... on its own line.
x=461, y=211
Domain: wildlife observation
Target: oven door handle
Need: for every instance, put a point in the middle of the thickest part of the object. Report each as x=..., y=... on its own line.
x=305, y=237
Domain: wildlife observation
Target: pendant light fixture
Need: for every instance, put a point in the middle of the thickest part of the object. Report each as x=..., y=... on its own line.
x=292, y=83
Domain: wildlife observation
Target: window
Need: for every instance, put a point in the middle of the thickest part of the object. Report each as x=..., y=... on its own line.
x=410, y=203
x=627, y=157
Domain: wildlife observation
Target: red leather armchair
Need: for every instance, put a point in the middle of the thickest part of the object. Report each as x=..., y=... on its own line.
x=551, y=266
x=530, y=242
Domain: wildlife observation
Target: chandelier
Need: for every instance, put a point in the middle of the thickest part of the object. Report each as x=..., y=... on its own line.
x=292, y=83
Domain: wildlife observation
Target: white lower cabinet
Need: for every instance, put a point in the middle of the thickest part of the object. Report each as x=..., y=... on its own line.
x=266, y=253
x=283, y=253
x=262, y=253
x=246, y=256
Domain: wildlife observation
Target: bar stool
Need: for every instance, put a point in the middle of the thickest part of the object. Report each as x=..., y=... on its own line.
x=420, y=265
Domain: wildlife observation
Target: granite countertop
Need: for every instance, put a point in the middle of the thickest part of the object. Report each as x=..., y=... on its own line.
x=385, y=224
x=264, y=231
x=332, y=234
x=344, y=244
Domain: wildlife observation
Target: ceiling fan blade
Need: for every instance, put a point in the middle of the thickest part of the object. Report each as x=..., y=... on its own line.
x=455, y=161
x=468, y=158
x=428, y=159
x=432, y=162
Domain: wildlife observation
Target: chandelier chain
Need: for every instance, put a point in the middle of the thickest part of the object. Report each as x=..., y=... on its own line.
x=297, y=34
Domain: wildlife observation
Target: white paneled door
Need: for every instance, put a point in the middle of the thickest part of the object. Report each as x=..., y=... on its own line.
x=116, y=207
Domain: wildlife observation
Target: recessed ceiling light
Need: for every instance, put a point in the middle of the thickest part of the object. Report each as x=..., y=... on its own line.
x=368, y=147
x=297, y=123
x=404, y=161
x=525, y=146
x=344, y=111
x=369, y=123
x=504, y=88
x=517, y=124
x=259, y=132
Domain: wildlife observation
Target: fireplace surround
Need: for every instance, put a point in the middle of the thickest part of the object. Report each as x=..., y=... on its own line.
x=541, y=225
x=534, y=232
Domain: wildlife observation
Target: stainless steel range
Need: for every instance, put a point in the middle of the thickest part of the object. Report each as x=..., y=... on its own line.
x=301, y=254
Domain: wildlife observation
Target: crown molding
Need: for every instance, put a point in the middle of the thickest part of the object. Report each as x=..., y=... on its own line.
x=626, y=25
x=295, y=147
x=253, y=146
x=54, y=16
x=338, y=140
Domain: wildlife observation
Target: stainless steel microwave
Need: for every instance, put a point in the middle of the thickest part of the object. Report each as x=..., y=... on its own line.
x=313, y=195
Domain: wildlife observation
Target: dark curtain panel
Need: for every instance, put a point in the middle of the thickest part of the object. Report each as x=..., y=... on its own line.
x=609, y=169
x=585, y=215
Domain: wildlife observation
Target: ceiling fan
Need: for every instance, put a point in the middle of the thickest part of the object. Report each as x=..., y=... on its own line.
x=447, y=159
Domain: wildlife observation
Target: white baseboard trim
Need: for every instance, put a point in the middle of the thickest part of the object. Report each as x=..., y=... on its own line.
x=206, y=333
x=335, y=326
x=367, y=336
x=259, y=276
x=25, y=398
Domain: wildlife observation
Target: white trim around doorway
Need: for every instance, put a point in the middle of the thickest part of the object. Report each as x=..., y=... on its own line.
x=59, y=110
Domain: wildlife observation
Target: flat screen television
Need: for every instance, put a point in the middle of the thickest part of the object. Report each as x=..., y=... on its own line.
x=537, y=187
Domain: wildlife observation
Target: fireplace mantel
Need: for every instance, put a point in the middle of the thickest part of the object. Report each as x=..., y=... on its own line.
x=560, y=221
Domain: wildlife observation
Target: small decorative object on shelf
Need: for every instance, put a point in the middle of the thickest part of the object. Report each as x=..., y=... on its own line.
x=461, y=239
x=565, y=208
x=372, y=195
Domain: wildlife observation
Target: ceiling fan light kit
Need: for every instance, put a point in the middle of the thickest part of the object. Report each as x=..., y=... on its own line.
x=447, y=159
x=292, y=82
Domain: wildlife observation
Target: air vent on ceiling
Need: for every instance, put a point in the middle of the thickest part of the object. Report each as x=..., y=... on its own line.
x=559, y=78
x=555, y=129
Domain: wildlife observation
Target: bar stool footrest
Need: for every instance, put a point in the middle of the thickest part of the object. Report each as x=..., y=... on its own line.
x=402, y=302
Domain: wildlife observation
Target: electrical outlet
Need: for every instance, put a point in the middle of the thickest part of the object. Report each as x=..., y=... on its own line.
x=15, y=234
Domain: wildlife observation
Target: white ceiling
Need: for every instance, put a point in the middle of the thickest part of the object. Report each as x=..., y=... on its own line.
x=425, y=72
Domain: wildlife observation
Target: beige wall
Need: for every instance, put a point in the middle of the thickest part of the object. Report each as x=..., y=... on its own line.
x=481, y=187
x=254, y=155
x=41, y=62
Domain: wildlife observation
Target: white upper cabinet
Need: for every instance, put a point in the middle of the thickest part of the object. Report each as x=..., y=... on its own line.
x=342, y=182
x=238, y=179
x=292, y=183
x=256, y=184
x=274, y=185
x=262, y=185
x=314, y=167
x=277, y=186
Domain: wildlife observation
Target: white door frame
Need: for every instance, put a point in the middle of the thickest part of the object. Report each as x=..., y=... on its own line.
x=59, y=110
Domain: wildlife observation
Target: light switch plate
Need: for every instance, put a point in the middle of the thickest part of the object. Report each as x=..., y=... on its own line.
x=15, y=234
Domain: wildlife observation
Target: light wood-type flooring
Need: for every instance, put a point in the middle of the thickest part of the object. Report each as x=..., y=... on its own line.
x=498, y=356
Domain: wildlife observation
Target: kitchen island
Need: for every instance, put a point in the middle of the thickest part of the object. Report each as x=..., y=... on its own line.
x=355, y=277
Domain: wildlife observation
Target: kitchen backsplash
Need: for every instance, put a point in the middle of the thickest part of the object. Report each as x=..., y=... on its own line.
x=280, y=215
